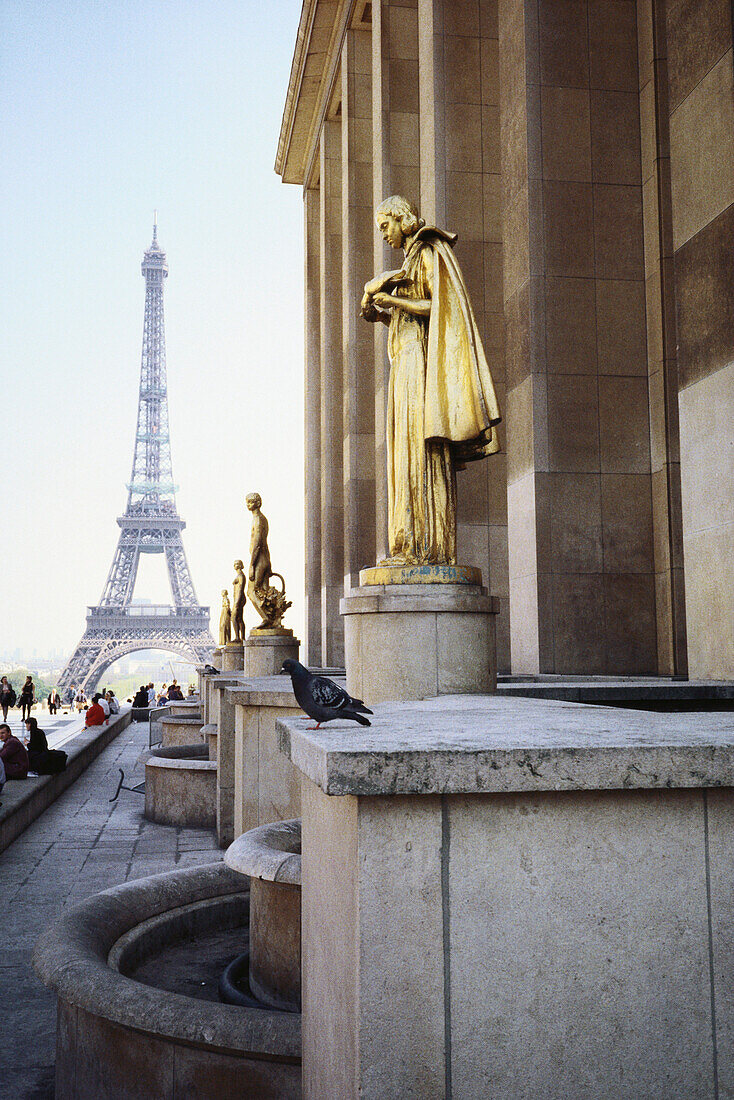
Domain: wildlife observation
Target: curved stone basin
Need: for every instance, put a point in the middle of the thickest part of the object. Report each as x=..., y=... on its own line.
x=181, y=787
x=180, y=729
x=117, y=1037
x=271, y=856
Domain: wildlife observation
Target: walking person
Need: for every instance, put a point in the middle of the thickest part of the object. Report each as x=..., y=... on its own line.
x=54, y=701
x=27, y=698
x=7, y=696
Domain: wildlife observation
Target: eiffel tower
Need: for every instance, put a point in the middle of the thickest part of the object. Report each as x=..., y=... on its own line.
x=150, y=525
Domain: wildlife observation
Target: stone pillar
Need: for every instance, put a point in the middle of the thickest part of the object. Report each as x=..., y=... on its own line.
x=265, y=651
x=357, y=335
x=332, y=504
x=233, y=657
x=701, y=105
x=460, y=190
x=312, y=426
x=489, y=888
x=266, y=785
x=661, y=339
x=222, y=716
x=396, y=170
x=581, y=565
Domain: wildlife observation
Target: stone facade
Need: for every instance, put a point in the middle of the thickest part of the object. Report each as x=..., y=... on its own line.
x=583, y=151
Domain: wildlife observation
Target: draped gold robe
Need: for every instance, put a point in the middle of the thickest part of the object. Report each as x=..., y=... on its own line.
x=442, y=407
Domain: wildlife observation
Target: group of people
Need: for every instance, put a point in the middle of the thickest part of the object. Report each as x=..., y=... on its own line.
x=18, y=758
x=8, y=697
x=103, y=705
x=146, y=695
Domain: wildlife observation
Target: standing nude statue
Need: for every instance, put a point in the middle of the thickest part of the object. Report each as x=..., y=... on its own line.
x=225, y=620
x=268, y=601
x=239, y=600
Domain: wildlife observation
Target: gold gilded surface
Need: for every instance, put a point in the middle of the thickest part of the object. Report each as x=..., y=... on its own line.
x=239, y=600
x=225, y=620
x=268, y=600
x=442, y=409
x=421, y=574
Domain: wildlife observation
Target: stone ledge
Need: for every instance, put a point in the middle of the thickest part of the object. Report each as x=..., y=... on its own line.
x=23, y=800
x=263, y=691
x=465, y=744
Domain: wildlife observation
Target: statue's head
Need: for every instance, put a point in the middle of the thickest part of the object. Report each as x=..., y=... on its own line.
x=253, y=501
x=397, y=218
x=239, y=564
x=225, y=592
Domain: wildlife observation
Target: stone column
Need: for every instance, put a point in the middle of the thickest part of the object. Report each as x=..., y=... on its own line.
x=480, y=909
x=581, y=566
x=312, y=425
x=661, y=339
x=396, y=170
x=222, y=716
x=357, y=335
x=701, y=105
x=460, y=191
x=332, y=433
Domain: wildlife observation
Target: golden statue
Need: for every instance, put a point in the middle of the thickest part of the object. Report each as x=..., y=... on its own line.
x=268, y=601
x=442, y=410
x=225, y=620
x=239, y=599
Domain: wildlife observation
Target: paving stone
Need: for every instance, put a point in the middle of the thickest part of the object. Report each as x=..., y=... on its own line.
x=81, y=845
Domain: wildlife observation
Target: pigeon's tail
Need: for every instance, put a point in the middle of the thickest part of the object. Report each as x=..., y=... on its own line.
x=357, y=704
x=359, y=717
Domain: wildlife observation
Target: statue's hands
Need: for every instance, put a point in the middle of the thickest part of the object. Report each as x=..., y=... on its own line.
x=368, y=311
x=385, y=302
x=374, y=286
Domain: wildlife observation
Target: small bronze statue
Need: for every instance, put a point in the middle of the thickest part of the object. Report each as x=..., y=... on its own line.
x=225, y=620
x=269, y=601
x=239, y=599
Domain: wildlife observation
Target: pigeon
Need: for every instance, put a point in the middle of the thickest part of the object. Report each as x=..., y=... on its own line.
x=321, y=698
x=210, y=670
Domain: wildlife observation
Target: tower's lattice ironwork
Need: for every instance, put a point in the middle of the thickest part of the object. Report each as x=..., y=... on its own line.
x=150, y=525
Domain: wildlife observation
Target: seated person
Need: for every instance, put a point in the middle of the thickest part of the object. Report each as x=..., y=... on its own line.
x=95, y=715
x=102, y=699
x=36, y=744
x=112, y=703
x=13, y=754
x=2, y=778
x=141, y=697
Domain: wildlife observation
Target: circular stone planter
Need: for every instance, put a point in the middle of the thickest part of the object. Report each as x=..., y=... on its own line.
x=271, y=856
x=119, y=1038
x=177, y=730
x=181, y=787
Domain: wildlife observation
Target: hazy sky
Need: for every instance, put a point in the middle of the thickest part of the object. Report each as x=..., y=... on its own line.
x=109, y=109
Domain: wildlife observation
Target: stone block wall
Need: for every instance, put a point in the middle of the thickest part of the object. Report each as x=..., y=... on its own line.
x=584, y=152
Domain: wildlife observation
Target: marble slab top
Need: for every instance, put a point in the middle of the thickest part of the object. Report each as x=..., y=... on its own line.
x=267, y=691
x=471, y=744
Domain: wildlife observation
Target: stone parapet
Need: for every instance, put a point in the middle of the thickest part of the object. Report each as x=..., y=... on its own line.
x=545, y=879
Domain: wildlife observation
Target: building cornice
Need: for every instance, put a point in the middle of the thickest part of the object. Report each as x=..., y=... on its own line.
x=321, y=32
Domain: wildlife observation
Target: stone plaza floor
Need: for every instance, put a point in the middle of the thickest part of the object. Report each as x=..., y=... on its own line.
x=82, y=844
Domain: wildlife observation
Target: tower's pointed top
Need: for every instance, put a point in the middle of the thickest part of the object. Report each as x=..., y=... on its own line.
x=155, y=227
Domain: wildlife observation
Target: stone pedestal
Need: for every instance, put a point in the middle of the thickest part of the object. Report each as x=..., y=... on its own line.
x=233, y=657
x=418, y=631
x=515, y=897
x=265, y=651
x=222, y=716
x=266, y=785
